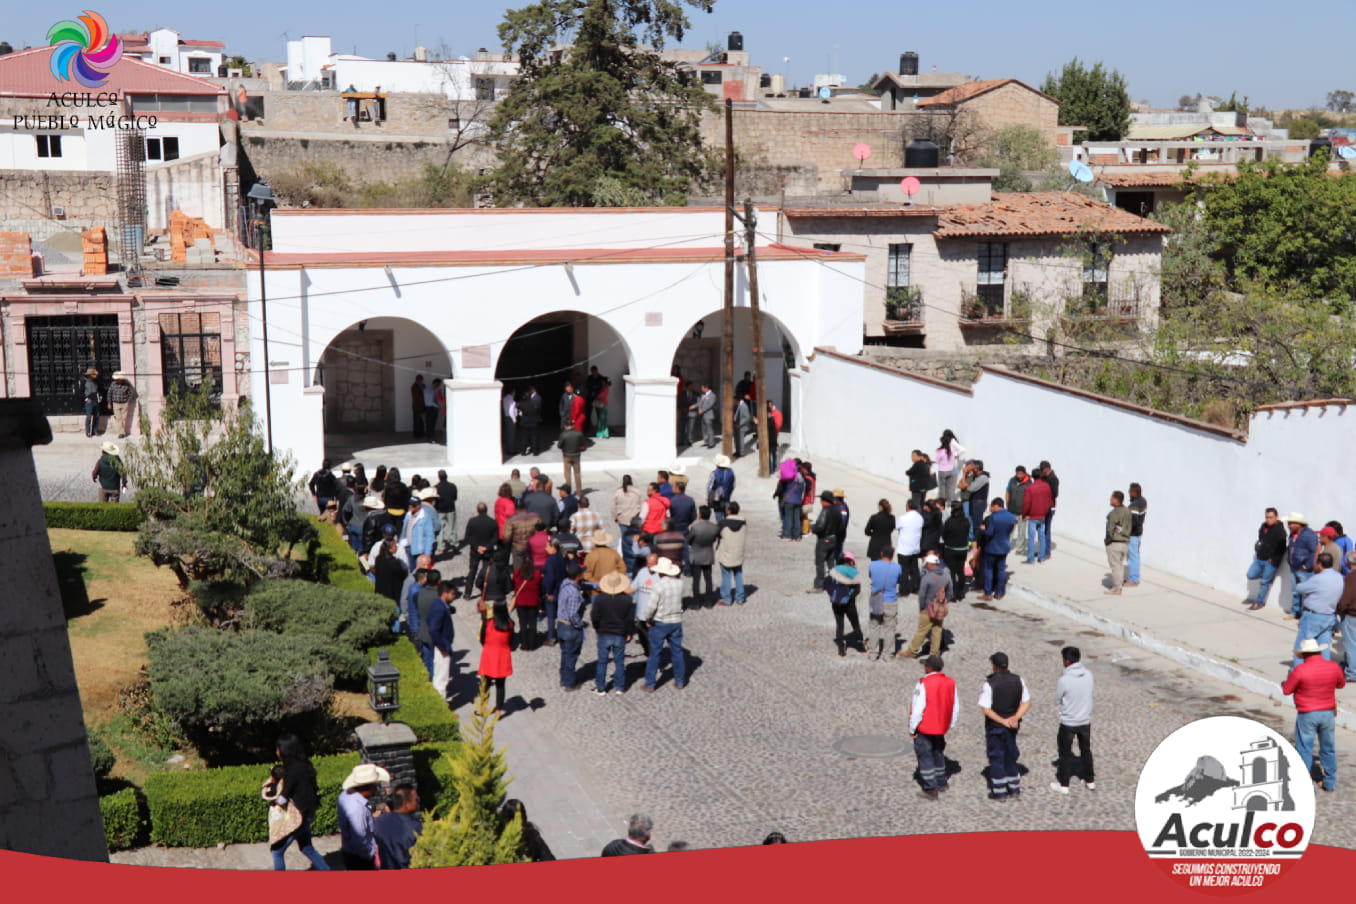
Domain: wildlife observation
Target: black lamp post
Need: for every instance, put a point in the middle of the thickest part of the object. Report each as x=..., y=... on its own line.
x=383, y=686
x=261, y=196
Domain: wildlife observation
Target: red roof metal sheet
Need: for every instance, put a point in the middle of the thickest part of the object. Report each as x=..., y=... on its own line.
x=28, y=73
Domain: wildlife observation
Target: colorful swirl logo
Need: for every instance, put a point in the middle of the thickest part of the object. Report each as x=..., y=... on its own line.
x=84, y=49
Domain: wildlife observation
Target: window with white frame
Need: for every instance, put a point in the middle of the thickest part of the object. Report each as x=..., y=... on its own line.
x=49, y=145
x=1096, y=266
x=992, y=274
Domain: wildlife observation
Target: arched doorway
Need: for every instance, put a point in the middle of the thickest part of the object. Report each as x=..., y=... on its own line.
x=1258, y=802
x=698, y=359
x=560, y=347
x=367, y=371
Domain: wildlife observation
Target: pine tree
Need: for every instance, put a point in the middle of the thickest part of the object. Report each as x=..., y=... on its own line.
x=473, y=833
x=1093, y=98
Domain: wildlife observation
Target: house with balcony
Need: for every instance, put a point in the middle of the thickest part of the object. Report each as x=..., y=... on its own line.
x=951, y=274
x=164, y=47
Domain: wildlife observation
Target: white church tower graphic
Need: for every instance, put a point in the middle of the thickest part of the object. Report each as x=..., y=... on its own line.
x=1265, y=778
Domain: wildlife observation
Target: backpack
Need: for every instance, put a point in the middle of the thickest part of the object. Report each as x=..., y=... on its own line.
x=938, y=607
x=841, y=594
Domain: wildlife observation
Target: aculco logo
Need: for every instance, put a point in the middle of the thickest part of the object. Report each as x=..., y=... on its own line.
x=1225, y=804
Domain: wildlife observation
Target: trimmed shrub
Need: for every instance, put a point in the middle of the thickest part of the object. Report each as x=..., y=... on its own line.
x=421, y=707
x=222, y=806
x=331, y=560
x=123, y=818
x=348, y=622
x=122, y=516
x=237, y=686
x=100, y=756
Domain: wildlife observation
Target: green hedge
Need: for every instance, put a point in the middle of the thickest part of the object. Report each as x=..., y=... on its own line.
x=349, y=622
x=421, y=707
x=222, y=806
x=123, y=818
x=330, y=559
x=122, y=516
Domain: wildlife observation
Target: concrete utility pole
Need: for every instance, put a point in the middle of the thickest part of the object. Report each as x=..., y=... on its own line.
x=727, y=340
x=750, y=230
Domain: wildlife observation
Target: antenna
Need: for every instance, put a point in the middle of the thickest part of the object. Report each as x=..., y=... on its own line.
x=1080, y=171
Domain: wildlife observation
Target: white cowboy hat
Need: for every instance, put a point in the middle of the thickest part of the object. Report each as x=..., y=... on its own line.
x=347, y=467
x=110, y=447
x=667, y=568
x=1310, y=645
x=615, y=582
x=119, y=375
x=366, y=774
x=373, y=502
x=1295, y=518
x=677, y=471
x=426, y=494
x=601, y=537
x=722, y=461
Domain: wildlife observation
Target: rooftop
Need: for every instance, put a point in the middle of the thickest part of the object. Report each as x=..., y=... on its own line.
x=1129, y=175
x=1039, y=213
x=518, y=257
x=970, y=90
x=28, y=73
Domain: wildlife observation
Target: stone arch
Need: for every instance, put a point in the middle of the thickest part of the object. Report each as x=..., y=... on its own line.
x=367, y=369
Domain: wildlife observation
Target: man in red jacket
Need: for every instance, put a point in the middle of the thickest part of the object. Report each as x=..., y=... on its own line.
x=1314, y=682
x=1036, y=503
x=936, y=709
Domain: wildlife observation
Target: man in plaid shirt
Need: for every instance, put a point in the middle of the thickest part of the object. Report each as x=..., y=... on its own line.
x=584, y=523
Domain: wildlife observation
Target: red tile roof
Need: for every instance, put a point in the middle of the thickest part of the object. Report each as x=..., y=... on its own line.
x=893, y=210
x=962, y=93
x=534, y=257
x=27, y=73
x=1039, y=213
x=217, y=44
x=1135, y=178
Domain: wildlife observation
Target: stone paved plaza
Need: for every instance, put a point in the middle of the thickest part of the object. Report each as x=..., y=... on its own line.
x=756, y=742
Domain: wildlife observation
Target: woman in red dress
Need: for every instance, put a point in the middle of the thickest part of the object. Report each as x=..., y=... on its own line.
x=503, y=507
x=496, y=661
x=526, y=599
x=577, y=412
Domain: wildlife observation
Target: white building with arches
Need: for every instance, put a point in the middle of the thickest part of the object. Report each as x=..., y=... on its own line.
x=360, y=301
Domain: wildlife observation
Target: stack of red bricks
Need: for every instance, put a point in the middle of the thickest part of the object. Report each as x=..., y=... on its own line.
x=184, y=232
x=94, y=244
x=16, y=255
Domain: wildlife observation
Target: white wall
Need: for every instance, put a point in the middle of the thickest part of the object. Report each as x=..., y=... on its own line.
x=90, y=150
x=19, y=150
x=454, y=78
x=193, y=185
x=1206, y=492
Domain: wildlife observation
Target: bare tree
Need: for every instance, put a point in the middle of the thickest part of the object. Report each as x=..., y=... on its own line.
x=956, y=130
x=1341, y=101
x=470, y=86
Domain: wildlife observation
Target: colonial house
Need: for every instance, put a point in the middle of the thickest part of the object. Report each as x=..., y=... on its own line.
x=995, y=103
x=164, y=47
x=950, y=275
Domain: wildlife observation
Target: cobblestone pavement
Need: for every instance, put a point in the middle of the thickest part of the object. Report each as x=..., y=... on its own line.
x=749, y=746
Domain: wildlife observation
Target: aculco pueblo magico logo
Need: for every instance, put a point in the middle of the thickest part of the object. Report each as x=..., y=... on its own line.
x=83, y=50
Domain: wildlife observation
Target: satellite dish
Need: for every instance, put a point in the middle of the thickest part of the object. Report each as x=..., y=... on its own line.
x=1347, y=152
x=825, y=93
x=1079, y=170
x=910, y=185
x=862, y=152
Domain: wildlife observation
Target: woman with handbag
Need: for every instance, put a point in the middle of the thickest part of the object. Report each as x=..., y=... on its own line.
x=496, y=657
x=297, y=792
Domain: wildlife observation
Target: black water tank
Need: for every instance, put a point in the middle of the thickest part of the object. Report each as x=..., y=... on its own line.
x=922, y=154
x=764, y=81
x=804, y=92
x=1319, y=144
x=5, y=48
x=736, y=41
x=908, y=63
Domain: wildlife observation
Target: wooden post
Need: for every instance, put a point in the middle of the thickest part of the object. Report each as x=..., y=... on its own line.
x=760, y=421
x=727, y=340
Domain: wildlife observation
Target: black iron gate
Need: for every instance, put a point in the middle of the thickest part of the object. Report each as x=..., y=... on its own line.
x=61, y=349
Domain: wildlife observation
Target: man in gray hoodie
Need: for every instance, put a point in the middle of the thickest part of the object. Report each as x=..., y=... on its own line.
x=1073, y=696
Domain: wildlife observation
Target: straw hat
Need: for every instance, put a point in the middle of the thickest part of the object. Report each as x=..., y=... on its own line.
x=1310, y=645
x=366, y=774
x=601, y=537
x=110, y=447
x=615, y=582
x=119, y=375
x=373, y=502
x=837, y=493
x=346, y=468
x=722, y=460
x=667, y=568
x=1295, y=518
x=677, y=471
x=426, y=494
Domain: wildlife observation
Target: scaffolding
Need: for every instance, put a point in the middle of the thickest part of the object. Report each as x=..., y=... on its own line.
x=131, y=189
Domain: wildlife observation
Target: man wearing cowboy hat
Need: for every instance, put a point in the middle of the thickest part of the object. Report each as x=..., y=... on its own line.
x=109, y=473
x=420, y=531
x=90, y=391
x=602, y=559
x=1301, y=555
x=663, y=614
x=1315, y=682
x=720, y=487
x=123, y=396
x=613, y=614
x=368, y=528
x=358, y=843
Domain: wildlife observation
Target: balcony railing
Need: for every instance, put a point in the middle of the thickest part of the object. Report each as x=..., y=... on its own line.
x=985, y=305
x=904, y=309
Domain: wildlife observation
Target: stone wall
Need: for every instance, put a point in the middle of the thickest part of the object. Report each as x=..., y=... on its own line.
x=89, y=198
x=364, y=159
x=327, y=111
x=48, y=801
x=1013, y=104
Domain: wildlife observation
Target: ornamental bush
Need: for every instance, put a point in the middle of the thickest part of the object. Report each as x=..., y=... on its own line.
x=347, y=622
x=124, y=817
x=117, y=516
x=234, y=690
x=331, y=560
x=421, y=707
x=222, y=806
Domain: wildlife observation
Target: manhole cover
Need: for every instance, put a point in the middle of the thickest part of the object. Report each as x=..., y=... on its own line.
x=879, y=746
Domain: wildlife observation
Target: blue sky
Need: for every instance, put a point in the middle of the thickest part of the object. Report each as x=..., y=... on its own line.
x=1165, y=49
